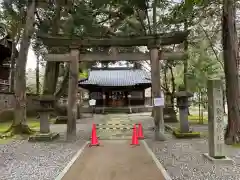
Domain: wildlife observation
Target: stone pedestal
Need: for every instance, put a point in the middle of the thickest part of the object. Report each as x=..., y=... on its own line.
x=183, y=104
x=216, y=122
x=46, y=107
x=44, y=120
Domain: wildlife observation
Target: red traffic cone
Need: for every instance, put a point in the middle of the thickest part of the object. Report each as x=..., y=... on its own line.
x=94, y=138
x=134, y=136
x=140, y=131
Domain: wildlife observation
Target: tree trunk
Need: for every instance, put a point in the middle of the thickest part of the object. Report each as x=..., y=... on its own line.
x=185, y=70
x=37, y=77
x=52, y=68
x=50, y=78
x=20, y=123
x=72, y=95
x=12, y=71
x=173, y=85
x=152, y=114
x=229, y=40
x=165, y=79
x=62, y=90
x=13, y=60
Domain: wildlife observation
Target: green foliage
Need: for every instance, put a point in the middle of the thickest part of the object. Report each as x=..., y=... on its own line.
x=13, y=15
x=202, y=66
x=33, y=123
x=128, y=17
x=83, y=74
x=195, y=118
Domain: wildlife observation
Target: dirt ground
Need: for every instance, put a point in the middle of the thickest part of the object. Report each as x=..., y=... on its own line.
x=114, y=160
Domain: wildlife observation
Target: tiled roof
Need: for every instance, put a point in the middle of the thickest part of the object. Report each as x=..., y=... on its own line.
x=124, y=77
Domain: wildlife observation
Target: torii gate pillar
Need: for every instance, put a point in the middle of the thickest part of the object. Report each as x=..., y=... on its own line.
x=156, y=90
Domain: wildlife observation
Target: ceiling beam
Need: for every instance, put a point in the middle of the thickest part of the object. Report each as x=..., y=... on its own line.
x=89, y=57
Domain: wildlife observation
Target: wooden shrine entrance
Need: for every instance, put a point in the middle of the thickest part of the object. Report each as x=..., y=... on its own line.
x=116, y=98
x=77, y=53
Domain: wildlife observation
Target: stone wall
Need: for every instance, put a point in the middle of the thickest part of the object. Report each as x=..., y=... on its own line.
x=7, y=101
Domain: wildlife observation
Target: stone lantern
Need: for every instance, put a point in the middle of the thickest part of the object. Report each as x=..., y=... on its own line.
x=46, y=104
x=183, y=104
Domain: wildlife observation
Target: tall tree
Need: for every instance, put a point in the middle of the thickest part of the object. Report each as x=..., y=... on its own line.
x=52, y=68
x=20, y=123
x=230, y=54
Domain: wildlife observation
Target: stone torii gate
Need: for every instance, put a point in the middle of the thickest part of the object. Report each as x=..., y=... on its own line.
x=74, y=44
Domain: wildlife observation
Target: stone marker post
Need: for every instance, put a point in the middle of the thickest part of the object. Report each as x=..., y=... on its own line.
x=215, y=118
x=216, y=122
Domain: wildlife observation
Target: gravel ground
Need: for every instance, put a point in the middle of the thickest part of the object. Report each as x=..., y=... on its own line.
x=183, y=159
x=21, y=160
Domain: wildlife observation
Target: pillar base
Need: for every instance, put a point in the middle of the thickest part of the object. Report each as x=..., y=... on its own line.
x=225, y=160
x=43, y=137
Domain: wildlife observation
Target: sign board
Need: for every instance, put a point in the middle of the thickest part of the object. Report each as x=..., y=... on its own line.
x=148, y=92
x=158, y=101
x=92, y=102
x=218, y=122
x=215, y=118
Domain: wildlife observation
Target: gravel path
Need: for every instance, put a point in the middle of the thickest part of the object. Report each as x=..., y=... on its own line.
x=183, y=160
x=21, y=160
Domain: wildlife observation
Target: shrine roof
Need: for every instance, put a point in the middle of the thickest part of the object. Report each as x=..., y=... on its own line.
x=117, y=77
x=5, y=49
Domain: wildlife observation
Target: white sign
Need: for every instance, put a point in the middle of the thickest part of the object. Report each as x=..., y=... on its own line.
x=158, y=101
x=92, y=102
x=148, y=92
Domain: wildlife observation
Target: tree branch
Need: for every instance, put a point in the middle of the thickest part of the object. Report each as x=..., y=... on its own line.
x=211, y=44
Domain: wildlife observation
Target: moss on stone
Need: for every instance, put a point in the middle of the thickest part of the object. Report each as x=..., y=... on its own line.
x=179, y=134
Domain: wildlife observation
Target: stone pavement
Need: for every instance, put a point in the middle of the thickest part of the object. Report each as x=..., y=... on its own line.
x=119, y=126
x=114, y=160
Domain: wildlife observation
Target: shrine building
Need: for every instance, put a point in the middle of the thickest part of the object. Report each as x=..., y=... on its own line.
x=117, y=86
